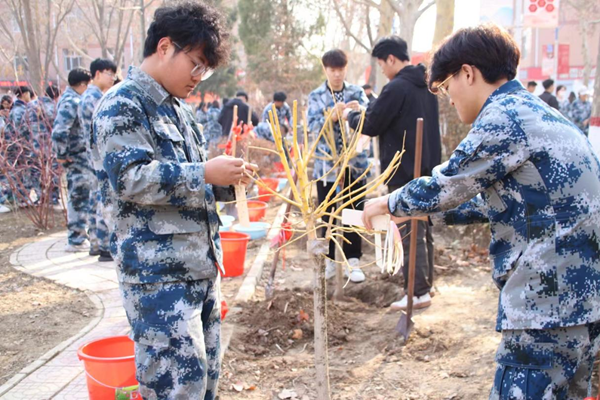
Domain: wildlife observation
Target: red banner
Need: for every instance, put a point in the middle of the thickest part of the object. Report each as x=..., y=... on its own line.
x=563, y=59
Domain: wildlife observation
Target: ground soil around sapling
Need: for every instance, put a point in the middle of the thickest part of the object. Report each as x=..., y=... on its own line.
x=450, y=355
x=35, y=314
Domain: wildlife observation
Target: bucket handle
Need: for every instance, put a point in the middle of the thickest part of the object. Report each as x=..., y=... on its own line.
x=100, y=383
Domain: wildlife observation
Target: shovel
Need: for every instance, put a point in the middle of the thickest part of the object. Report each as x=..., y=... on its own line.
x=405, y=324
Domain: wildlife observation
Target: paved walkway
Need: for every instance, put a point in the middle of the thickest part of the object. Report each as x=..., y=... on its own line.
x=59, y=374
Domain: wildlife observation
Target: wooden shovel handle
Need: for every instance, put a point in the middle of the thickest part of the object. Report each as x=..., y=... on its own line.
x=414, y=224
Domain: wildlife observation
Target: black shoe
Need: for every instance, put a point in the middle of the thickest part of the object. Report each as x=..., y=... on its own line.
x=94, y=252
x=105, y=256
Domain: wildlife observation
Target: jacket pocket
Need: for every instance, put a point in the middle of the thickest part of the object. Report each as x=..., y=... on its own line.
x=171, y=222
x=167, y=131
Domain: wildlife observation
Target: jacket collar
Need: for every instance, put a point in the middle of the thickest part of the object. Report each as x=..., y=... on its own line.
x=508, y=87
x=148, y=84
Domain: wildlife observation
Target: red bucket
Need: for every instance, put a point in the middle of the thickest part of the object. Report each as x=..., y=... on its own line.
x=256, y=210
x=264, y=194
x=109, y=365
x=234, y=246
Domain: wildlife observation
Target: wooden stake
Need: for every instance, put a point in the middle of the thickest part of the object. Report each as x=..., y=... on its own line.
x=240, y=191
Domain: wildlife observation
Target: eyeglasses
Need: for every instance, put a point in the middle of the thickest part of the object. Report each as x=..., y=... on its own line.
x=200, y=69
x=443, y=90
x=112, y=75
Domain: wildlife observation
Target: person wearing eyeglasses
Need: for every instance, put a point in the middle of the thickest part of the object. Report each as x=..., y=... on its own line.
x=104, y=74
x=163, y=192
x=530, y=173
x=393, y=118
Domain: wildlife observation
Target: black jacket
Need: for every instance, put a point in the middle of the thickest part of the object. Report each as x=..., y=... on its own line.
x=404, y=99
x=226, y=116
x=549, y=99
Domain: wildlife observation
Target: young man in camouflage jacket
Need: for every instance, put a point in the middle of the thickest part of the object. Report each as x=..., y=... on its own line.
x=534, y=176
x=335, y=95
x=70, y=148
x=104, y=74
x=165, y=227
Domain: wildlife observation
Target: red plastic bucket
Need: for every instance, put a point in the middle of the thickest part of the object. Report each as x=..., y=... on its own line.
x=234, y=246
x=264, y=194
x=109, y=365
x=256, y=210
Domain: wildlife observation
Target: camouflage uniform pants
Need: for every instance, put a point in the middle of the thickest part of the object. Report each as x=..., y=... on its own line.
x=78, y=192
x=176, y=327
x=99, y=238
x=546, y=364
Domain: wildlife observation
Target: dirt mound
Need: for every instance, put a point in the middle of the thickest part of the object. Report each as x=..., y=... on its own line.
x=287, y=321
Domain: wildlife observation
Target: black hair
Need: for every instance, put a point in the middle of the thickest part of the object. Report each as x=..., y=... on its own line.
x=5, y=98
x=335, y=58
x=192, y=25
x=367, y=86
x=531, y=83
x=547, y=83
x=279, y=96
x=225, y=100
x=215, y=104
x=79, y=75
x=560, y=87
x=487, y=47
x=201, y=105
x=241, y=93
x=21, y=90
x=53, y=92
x=572, y=96
x=391, y=45
x=102, y=64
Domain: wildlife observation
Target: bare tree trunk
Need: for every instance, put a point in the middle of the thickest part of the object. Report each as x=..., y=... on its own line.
x=444, y=22
x=142, y=29
x=585, y=49
x=317, y=249
x=594, y=133
x=32, y=48
x=453, y=131
x=385, y=28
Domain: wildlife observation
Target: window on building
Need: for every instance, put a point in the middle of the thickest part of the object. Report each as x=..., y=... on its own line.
x=72, y=60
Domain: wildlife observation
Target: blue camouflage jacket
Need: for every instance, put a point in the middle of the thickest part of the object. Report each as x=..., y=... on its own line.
x=17, y=123
x=534, y=176
x=284, y=114
x=67, y=134
x=165, y=226
x=212, y=130
x=40, y=116
x=579, y=112
x=319, y=101
x=89, y=100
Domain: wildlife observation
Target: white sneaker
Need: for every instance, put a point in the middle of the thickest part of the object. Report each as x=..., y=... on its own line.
x=329, y=268
x=418, y=302
x=356, y=274
x=77, y=248
x=4, y=209
x=57, y=207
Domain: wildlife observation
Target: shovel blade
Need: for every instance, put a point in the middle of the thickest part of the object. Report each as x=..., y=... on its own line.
x=405, y=326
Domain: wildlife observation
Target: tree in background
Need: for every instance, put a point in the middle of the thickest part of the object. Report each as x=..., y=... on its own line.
x=38, y=22
x=409, y=12
x=273, y=41
x=224, y=82
x=587, y=15
x=109, y=22
x=453, y=131
x=594, y=134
